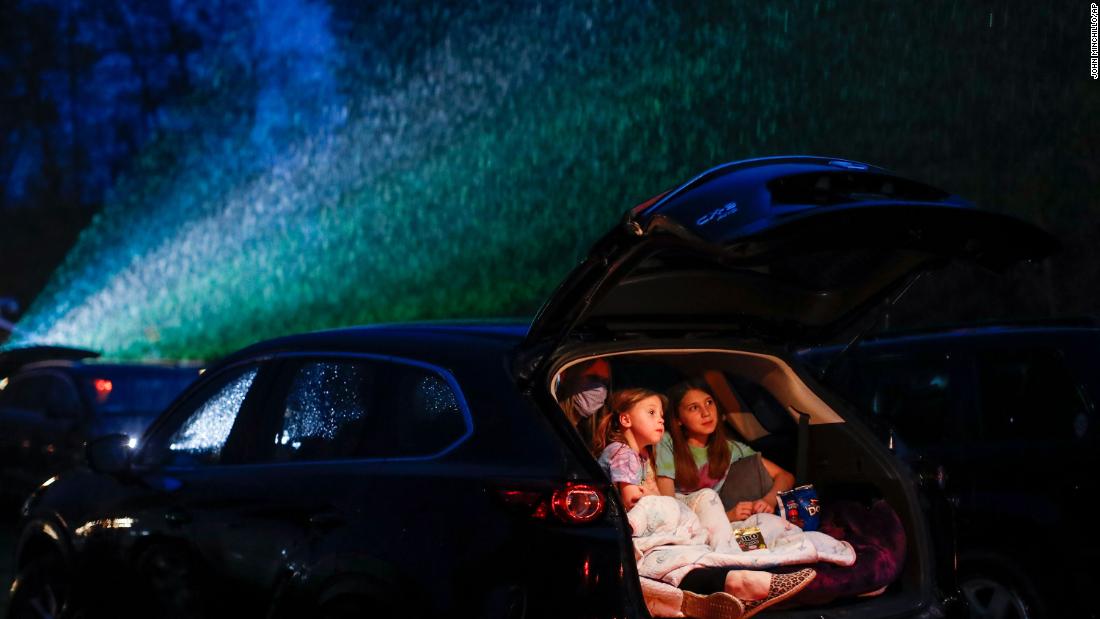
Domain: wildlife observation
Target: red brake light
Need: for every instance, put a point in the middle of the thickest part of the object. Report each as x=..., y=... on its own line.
x=573, y=504
x=578, y=503
x=102, y=388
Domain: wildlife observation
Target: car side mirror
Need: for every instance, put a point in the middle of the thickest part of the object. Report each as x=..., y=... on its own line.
x=110, y=454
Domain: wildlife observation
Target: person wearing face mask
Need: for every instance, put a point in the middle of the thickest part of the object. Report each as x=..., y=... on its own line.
x=582, y=394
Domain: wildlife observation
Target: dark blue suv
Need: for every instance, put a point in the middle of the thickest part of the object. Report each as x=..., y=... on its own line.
x=52, y=400
x=1004, y=418
x=428, y=470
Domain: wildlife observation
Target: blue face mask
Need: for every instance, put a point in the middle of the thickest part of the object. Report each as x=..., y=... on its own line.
x=589, y=399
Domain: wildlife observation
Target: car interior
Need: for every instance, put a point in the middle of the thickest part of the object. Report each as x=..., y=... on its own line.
x=769, y=405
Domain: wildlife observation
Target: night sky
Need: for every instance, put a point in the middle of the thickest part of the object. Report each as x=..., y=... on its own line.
x=184, y=178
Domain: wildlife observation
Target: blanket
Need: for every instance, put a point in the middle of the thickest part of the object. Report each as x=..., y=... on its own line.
x=878, y=537
x=670, y=540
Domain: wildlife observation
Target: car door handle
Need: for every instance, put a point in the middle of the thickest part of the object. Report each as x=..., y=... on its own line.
x=326, y=520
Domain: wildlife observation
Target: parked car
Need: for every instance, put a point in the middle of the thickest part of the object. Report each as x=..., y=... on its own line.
x=53, y=399
x=1005, y=417
x=427, y=470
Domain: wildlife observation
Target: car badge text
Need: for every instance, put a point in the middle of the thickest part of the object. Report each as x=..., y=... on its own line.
x=717, y=214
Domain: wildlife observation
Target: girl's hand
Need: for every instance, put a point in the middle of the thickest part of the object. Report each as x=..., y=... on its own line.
x=740, y=511
x=760, y=506
x=631, y=493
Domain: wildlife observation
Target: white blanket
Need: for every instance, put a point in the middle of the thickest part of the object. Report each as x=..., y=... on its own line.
x=670, y=540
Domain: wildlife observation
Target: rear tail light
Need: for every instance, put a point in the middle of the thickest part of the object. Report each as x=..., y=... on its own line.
x=103, y=389
x=573, y=504
x=578, y=503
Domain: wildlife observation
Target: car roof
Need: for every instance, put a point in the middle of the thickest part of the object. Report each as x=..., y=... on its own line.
x=951, y=336
x=109, y=368
x=12, y=359
x=437, y=342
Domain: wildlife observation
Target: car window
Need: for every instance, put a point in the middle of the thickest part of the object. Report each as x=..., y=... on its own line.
x=420, y=414
x=912, y=395
x=340, y=409
x=763, y=405
x=324, y=411
x=1029, y=395
x=201, y=427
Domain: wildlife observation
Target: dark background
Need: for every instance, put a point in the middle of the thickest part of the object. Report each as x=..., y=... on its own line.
x=180, y=179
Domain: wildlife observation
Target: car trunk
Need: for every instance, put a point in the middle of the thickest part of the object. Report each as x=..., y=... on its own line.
x=755, y=258
x=842, y=459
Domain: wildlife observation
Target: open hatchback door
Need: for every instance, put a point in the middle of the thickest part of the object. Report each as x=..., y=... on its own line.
x=717, y=280
x=784, y=249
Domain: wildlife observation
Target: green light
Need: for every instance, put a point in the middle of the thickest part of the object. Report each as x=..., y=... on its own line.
x=464, y=170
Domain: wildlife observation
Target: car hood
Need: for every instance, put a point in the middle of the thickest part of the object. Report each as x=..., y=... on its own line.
x=790, y=249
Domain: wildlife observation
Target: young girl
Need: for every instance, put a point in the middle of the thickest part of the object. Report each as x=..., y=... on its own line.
x=625, y=440
x=697, y=454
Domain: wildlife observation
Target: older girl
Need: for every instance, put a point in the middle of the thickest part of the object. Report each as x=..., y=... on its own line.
x=696, y=453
